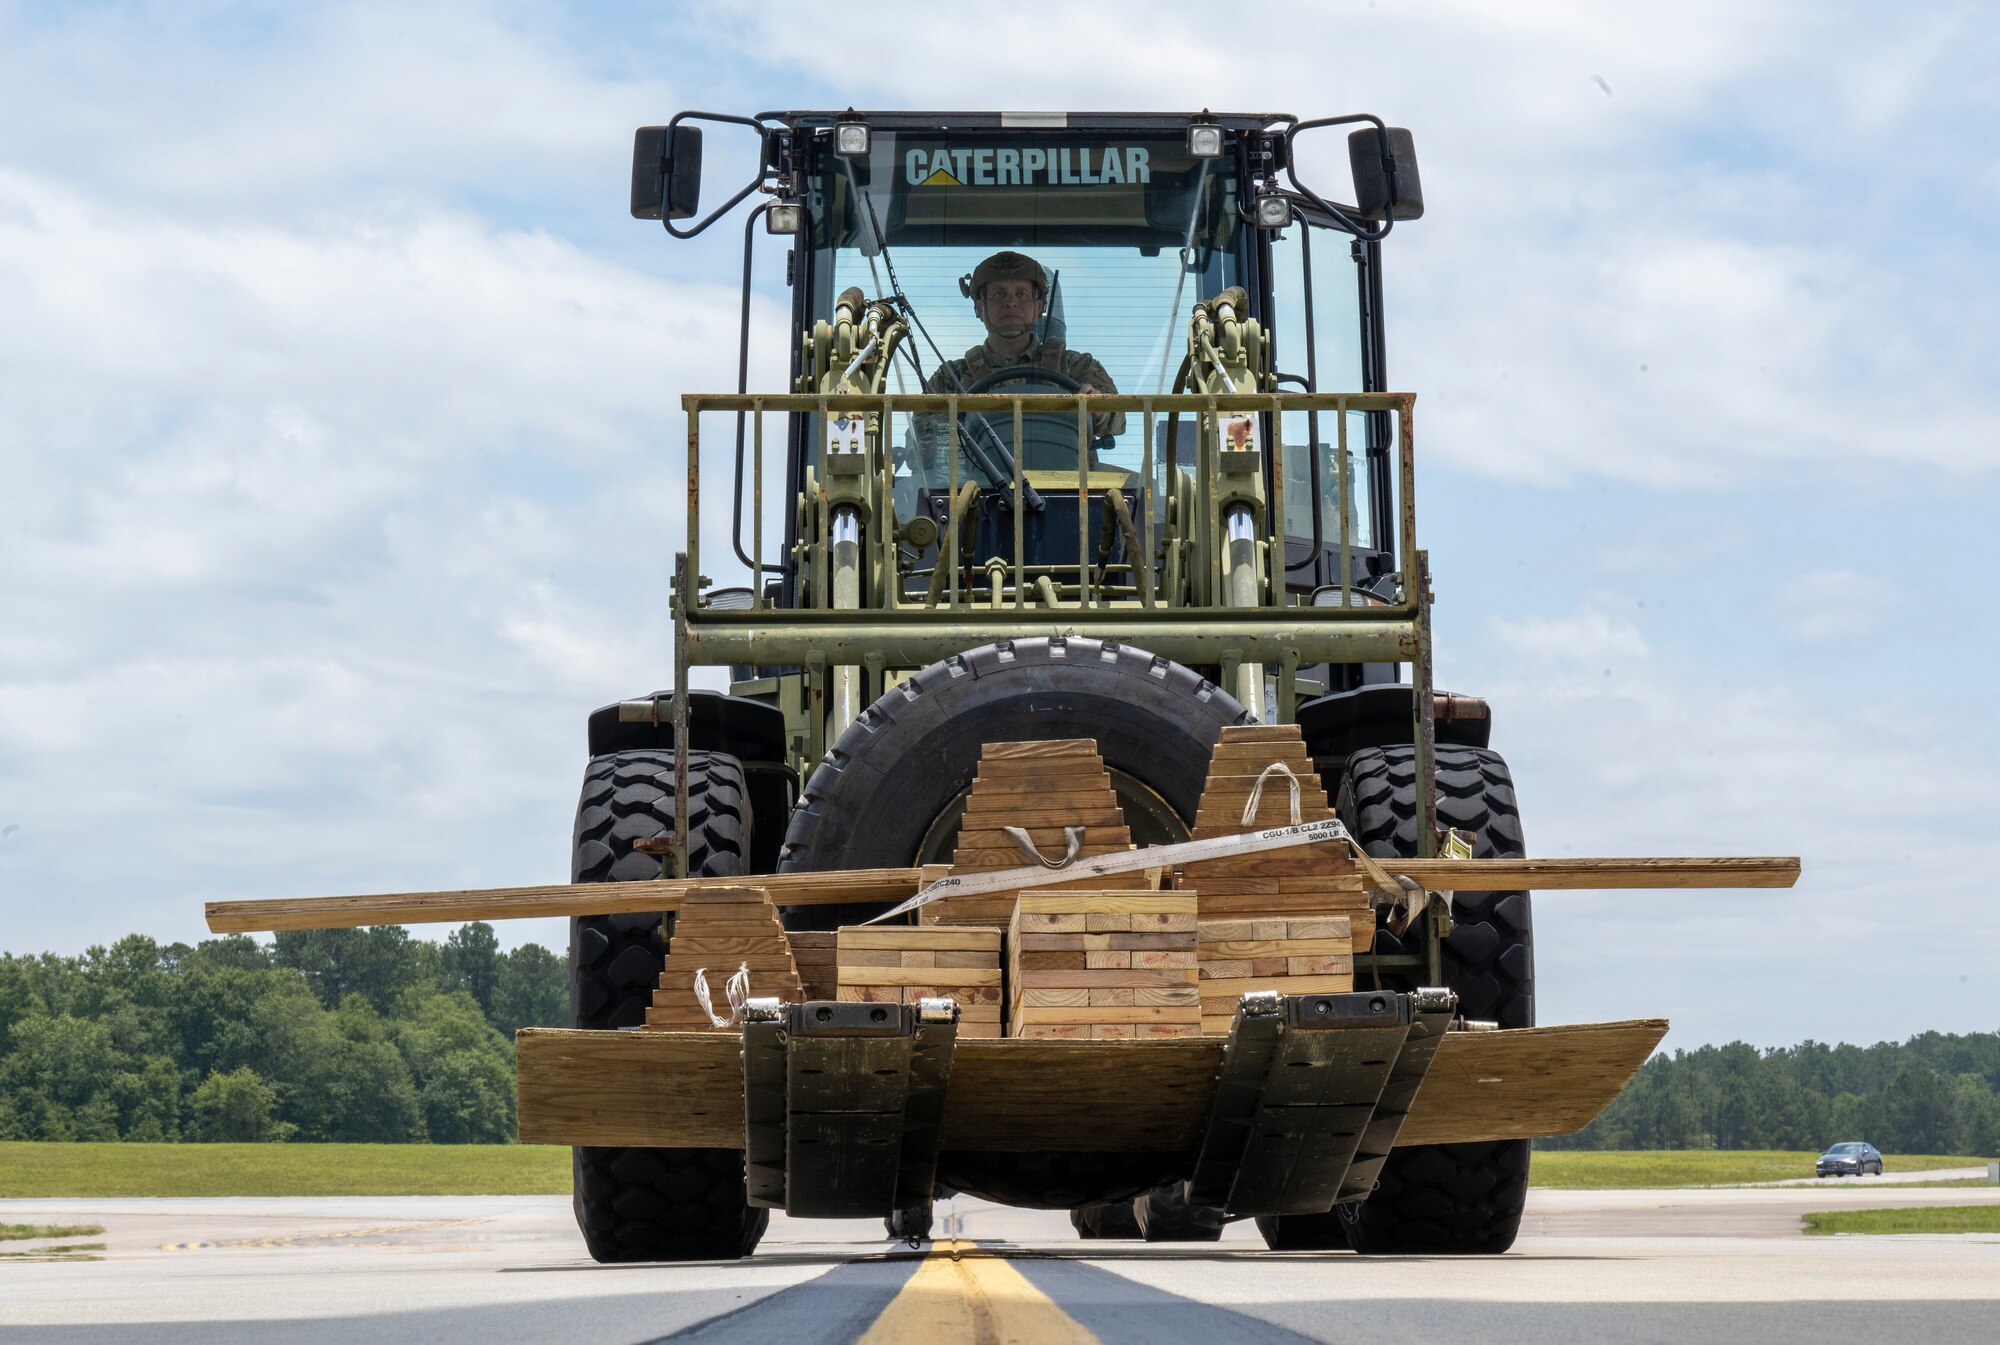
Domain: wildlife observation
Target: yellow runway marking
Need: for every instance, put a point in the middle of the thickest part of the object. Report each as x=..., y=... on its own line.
x=963, y=1293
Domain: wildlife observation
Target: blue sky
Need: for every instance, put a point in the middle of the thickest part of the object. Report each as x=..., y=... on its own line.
x=338, y=416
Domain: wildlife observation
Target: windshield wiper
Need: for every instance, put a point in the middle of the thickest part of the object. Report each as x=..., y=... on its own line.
x=1031, y=498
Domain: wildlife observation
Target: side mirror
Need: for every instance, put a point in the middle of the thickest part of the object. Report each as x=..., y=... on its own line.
x=666, y=172
x=1386, y=185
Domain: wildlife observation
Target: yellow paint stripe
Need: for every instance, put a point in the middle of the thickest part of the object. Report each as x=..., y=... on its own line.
x=964, y=1293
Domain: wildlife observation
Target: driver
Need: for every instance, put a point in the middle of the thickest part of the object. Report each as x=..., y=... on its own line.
x=1008, y=297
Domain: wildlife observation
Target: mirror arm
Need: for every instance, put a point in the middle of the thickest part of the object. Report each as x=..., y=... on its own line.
x=763, y=172
x=1347, y=221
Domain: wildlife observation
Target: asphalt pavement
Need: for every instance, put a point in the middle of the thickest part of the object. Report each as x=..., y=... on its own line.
x=1611, y=1266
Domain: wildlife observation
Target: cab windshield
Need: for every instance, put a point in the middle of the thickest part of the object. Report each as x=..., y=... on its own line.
x=1129, y=231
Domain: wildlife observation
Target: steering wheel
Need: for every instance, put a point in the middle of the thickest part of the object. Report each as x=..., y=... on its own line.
x=1033, y=373
x=1046, y=432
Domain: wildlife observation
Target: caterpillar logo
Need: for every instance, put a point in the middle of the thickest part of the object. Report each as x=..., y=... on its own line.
x=1054, y=166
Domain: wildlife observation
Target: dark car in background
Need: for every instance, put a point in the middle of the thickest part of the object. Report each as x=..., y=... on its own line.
x=1849, y=1160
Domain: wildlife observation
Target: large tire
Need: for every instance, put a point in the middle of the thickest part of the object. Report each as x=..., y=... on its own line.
x=912, y=1224
x=877, y=799
x=652, y=1204
x=1447, y=1199
x=1164, y=1215
x=1111, y=1219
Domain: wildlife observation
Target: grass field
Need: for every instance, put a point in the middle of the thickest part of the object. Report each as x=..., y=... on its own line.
x=56, y=1251
x=45, y=1170
x=48, y=1170
x=1646, y=1169
x=1934, y=1219
x=17, y=1232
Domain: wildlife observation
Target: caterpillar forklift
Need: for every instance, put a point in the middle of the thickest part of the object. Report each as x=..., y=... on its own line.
x=1089, y=435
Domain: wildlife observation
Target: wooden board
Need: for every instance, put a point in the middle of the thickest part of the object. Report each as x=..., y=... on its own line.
x=892, y=885
x=685, y=1089
x=718, y=931
x=1042, y=787
x=1144, y=946
x=902, y=964
x=813, y=951
x=1283, y=920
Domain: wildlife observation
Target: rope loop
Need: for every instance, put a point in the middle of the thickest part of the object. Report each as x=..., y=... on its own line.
x=1257, y=792
x=736, y=989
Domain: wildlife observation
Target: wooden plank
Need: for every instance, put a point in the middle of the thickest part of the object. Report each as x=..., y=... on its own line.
x=700, y=957
x=1040, y=747
x=891, y=885
x=948, y=958
x=910, y=994
x=1575, y=875
x=1108, y=976
x=1108, y=903
x=685, y=1090
x=1315, y=881
x=1276, y=947
x=1064, y=814
x=1235, y=987
x=1527, y=1082
x=1277, y=734
x=919, y=976
x=915, y=937
x=1028, y=1013
x=553, y=899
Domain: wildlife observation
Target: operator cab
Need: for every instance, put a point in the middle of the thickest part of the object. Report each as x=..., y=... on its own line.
x=1127, y=221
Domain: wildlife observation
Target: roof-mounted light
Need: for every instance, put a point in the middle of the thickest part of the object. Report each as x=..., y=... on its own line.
x=850, y=139
x=1204, y=142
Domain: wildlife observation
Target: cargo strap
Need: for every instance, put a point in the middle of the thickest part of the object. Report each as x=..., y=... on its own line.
x=843, y=1104
x=1156, y=857
x=1293, y=1127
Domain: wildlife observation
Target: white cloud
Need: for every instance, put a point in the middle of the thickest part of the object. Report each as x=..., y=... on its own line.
x=323, y=539
x=1590, y=638
x=1670, y=755
x=1834, y=604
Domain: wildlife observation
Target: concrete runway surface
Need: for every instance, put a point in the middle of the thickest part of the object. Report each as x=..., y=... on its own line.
x=1591, y=1266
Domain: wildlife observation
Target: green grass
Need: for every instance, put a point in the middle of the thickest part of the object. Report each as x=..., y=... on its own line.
x=20, y=1232
x=1645, y=1169
x=85, y=1170
x=1930, y=1219
x=68, y=1251
x=42, y=1171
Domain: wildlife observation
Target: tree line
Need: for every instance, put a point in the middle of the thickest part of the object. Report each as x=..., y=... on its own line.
x=371, y=1035
x=1937, y=1093
x=340, y=1034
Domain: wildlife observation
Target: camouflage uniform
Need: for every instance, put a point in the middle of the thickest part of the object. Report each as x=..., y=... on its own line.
x=930, y=431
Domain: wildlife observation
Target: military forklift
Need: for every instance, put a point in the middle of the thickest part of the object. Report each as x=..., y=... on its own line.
x=1160, y=487
x=1088, y=447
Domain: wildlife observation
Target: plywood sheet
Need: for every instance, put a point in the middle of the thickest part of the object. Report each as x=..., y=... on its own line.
x=685, y=1089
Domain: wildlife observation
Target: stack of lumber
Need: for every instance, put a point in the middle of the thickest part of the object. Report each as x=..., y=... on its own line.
x=1306, y=880
x=721, y=929
x=1091, y=965
x=819, y=967
x=1294, y=955
x=1041, y=787
x=901, y=964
